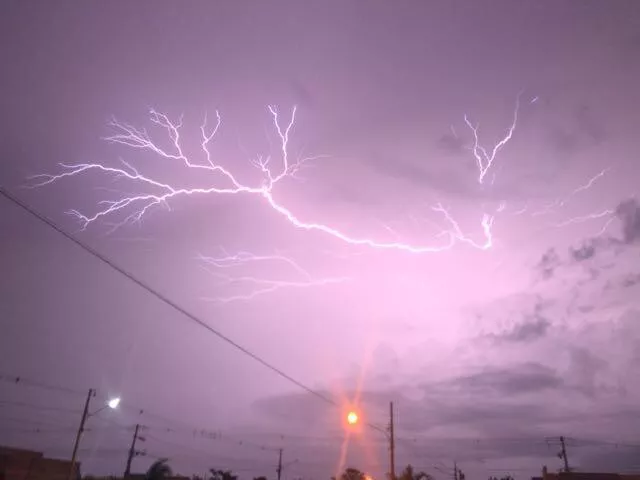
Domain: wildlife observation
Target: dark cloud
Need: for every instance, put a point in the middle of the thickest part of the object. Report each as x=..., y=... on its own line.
x=519, y=379
x=530, y=329
x=626, y=281
x=509, y=410
x=548, y=263
x=534, y=325
x=563, y=141
x=522, y=319
x=586, y=308
x=584, y=252
x=630, y=280
x=451, y=143
x=584, y=130
x=608, y=456
x=589, y=125
x=303, y=95
x=584, y=368
x=628, y=211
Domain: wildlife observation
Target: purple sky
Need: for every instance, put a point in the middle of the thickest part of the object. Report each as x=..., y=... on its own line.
x=485, y=352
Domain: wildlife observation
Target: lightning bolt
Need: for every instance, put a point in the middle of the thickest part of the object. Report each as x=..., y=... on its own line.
x=158, y=193
x=586, y=218
x=257, y=285
x=608, y=213
x=275, y=168
x=552, y=206
x=484, y=159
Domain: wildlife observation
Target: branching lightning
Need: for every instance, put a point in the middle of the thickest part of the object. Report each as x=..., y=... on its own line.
x=274, y=171
x=258, y=285
x=134, y=207
x=484, y=159
x=552, y=206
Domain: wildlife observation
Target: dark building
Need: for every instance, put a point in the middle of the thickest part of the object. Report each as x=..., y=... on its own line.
x=586, y=476
x=19, y=464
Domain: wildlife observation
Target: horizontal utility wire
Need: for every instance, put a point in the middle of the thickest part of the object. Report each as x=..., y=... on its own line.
x=207, y=434
x=19, y=380
x=185, y=428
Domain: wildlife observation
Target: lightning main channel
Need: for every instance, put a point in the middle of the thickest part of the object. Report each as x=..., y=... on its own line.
x=273, y=172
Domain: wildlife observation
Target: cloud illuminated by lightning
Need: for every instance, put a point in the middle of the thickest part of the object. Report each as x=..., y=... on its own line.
x=150, y=192
x=134, y=207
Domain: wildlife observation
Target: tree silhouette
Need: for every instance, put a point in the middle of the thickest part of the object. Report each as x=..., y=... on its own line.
x=352, y=474
x=222, y=475
x=159, y=470
x=260, y=478
x=410, y=474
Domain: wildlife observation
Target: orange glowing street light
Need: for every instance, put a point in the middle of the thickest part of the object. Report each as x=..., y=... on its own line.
x=352, y=418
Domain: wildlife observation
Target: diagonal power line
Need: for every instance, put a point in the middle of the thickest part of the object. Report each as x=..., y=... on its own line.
x=163, y=298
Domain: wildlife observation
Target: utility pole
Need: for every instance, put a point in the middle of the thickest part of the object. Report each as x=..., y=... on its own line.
x=563, y=455
x=85, y=414
x=132, y=451
x=279, y=469
x=455, y=470
x=392, y=445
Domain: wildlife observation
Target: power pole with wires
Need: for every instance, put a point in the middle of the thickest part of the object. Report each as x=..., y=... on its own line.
x=279, y=469
x=132, y=450
x=85, y=414
x=392, y=444
x=457, y=473
x=563, y=455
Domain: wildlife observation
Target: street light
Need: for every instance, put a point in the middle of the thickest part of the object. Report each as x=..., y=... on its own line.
x=352, y=419
x=111, y=403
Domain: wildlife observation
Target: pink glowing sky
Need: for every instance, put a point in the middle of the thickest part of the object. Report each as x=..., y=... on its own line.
x=536, y=337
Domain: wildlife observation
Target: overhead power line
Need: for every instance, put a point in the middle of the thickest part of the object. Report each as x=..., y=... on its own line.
x=19, y=380
x=163, y=298
x=167, y=301
x=178, y=426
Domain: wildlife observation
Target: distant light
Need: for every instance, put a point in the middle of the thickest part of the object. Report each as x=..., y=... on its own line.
x=114, y=402
x=352, y=418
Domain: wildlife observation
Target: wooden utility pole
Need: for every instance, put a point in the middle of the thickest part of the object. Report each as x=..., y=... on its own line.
x=392, y=445
x=563, y=455
x=279, y=469
x=85, y=414
x=132, y=451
